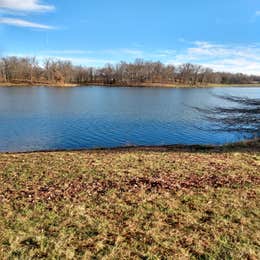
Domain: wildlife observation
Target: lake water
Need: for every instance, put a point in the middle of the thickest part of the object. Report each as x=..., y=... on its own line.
x=44, y=118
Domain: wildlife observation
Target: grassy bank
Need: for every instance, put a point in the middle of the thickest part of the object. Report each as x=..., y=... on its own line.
x=11, y=84
x=152, y=85
x=148, y=203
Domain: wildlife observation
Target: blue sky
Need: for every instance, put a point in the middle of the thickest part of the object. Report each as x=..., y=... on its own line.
x=223, y=34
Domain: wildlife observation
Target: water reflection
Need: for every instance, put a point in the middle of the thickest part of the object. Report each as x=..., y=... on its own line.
x=43, y=118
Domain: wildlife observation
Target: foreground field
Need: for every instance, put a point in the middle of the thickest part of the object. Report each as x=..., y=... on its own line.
x=131, y=204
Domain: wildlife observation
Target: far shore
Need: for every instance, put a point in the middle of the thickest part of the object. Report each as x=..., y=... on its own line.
x=148, y=84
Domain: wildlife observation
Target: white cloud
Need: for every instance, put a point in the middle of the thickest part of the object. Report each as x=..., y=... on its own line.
x=24, y=23
x=81, y=61
x=103, y=52
x=222, y=57
x=236, y=58
x=66, y=52
x=257, y=13
x=123, y=51
x=25, y=6
x=236, y=66
x=133, y=52
x=85, y=61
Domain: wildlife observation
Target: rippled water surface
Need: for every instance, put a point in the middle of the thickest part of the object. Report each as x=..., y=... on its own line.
x=42, y=118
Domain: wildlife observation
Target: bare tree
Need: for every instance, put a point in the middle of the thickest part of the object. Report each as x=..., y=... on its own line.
x=16, y=69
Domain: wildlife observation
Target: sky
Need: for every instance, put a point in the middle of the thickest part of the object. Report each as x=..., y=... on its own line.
x=222, y=34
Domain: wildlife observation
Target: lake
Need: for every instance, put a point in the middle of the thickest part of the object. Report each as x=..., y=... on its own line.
x=46, y=118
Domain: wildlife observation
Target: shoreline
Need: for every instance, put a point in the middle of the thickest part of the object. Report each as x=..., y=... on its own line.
x=141, y=85
x=10, y=84
x=253, y=145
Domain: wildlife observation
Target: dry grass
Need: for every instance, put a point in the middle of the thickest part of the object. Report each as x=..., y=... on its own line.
x=11, y=84
x=146, y=84
x=130, y=204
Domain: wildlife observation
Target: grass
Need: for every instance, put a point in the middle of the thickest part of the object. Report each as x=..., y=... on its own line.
x=158, y=203
x=12, y=84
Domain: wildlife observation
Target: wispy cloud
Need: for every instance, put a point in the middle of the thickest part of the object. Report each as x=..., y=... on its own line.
x=81, y=61
x=104, y=52
x=85, y=61
x=222, y=57
x=257, y=13
x=24, y=23
x=25, y=6
x=122, y=51
x=66, y=52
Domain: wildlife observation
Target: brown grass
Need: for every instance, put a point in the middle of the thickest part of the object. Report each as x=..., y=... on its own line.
x=130, y=204
x=146, y=84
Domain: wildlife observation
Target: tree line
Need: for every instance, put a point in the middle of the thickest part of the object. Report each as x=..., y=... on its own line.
x=28, y=70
